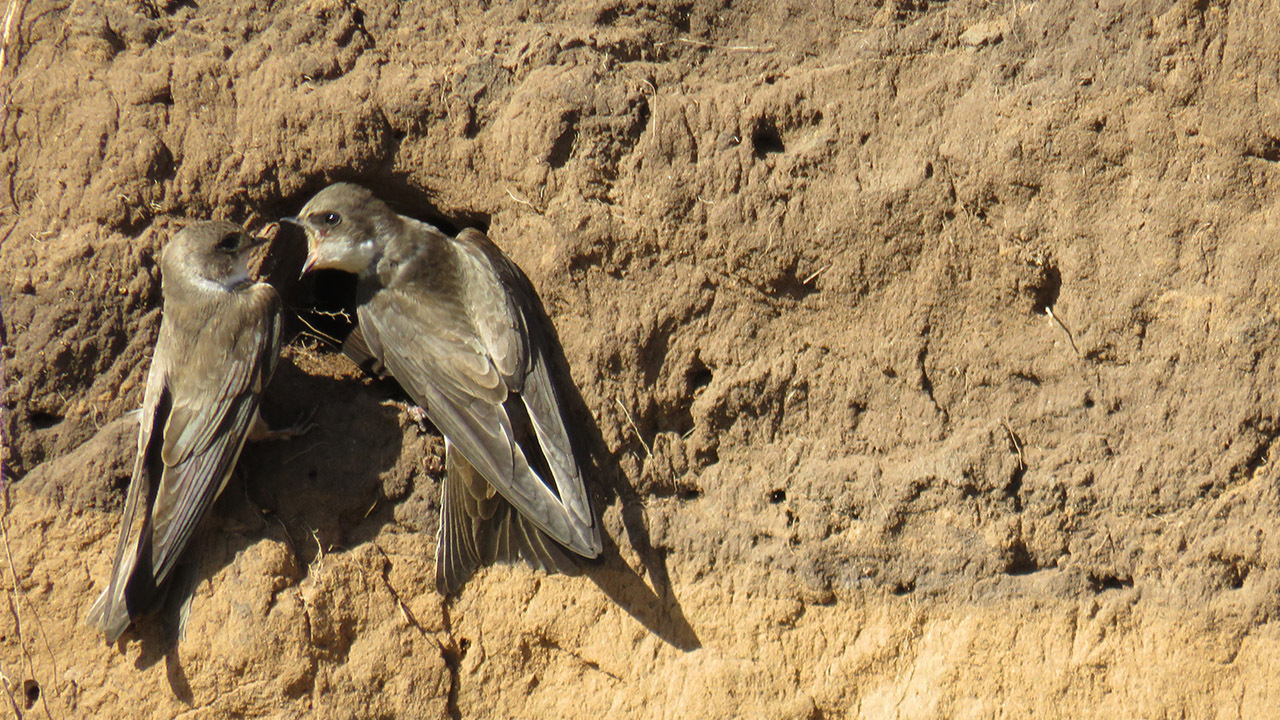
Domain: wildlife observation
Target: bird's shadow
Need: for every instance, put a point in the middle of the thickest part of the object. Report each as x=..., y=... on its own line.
x=653, y=604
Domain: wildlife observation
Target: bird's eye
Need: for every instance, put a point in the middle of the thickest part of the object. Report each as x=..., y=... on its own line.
x=229, y=242
x=332, y=218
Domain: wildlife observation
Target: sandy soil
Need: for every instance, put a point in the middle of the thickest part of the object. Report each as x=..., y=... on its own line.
x=927, y=353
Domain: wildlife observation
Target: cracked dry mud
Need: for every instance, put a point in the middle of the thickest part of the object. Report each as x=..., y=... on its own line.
x=927, y=353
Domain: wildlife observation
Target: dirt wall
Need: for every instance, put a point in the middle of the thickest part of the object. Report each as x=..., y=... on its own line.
x=926, y=353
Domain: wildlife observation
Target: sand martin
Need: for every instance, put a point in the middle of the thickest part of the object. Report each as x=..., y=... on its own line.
x=458, y=325
x=217, y=349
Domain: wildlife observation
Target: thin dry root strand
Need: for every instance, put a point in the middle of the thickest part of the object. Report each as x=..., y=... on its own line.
x=648, y=451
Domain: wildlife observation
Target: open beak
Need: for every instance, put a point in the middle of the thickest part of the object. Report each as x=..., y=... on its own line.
x=312, y=258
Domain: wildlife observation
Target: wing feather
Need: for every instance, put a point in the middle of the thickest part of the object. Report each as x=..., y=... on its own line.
x=197, y=410
x=548, y=423
x=462, y=352
x=478, y=527
x=213, y=382
x=109, y=612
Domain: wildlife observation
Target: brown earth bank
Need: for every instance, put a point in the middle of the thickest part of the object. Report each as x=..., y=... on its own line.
x=926, y=354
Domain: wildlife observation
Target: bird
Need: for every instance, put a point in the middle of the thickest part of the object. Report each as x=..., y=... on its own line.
x=217, y=349
x=457, y=324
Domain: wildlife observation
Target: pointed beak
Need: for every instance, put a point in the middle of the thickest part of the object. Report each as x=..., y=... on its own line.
x=310, y=263
x=312, y=258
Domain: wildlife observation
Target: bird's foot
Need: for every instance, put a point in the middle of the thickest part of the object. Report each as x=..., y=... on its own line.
x=416, y=413
x=260, y=431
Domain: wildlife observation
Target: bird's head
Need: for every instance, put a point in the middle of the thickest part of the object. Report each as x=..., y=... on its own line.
x=210, y=252
x=346, y=226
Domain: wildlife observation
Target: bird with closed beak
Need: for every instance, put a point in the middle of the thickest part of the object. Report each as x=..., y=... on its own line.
x=217, y=349
x=458, y=325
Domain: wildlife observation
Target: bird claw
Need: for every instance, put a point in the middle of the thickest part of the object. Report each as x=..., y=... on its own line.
x=417, y=414
x=301, y=427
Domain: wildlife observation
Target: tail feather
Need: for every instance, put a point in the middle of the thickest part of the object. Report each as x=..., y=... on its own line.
x=479, y=527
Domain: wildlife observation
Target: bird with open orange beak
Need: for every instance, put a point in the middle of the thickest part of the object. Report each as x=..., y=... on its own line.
x=458, y=325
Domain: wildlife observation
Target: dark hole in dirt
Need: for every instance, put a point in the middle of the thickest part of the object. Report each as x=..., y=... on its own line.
x=682, y=15
x=706, y=457
x=1020, y=561
x=1234, y=571
x=613, y=364
x=1237, y=576
x=1270, y=150
x=926, y=385
x=28, y=289
x=690, y=493
x=765, y=138
x=678, y=420
x=562, y=148
x=41, y=420
x=1046, y=290
x=473, y=126
x=1014, y=489
x=120, y=483
x=698, y=375
x=777, y=496
x=113, y=39
x=903, y=588
x=581, y=262
x=1101, y=583
x=928, y=170
x=31, y=692
x=608, y=16
x=794, y=283
x=161, y=164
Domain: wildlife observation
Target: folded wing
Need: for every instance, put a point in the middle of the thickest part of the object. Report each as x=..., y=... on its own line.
x=202, y=395
x=467, y=357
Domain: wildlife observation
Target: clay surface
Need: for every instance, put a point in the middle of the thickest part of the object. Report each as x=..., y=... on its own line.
x=925, y=353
